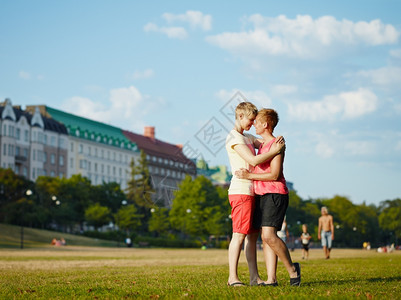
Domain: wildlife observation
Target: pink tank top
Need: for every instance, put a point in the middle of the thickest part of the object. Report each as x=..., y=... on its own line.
x=267, y=187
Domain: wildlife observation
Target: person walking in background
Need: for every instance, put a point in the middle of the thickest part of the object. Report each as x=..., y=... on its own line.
x=325, y=232
x=271, y=201
x=305, y=240
x=283, y=232
x=241, y=153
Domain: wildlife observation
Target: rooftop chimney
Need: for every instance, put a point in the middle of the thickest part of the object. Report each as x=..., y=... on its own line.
x=149, y=132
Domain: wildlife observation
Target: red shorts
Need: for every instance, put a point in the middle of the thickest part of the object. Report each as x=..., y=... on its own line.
x=242, y=207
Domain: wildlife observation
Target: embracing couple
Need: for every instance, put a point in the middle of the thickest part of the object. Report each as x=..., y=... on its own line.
x=264, y=212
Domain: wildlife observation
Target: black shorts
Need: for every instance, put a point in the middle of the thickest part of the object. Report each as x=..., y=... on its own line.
x=305, y=246
x=270, y=210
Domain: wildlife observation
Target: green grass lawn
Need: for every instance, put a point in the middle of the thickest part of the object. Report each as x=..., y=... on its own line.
x=74, y=272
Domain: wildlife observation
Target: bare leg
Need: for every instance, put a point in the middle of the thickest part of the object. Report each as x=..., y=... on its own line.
x=280, y=249
x=251, y=257
x=326, y=252
x=234, y=251
x=271, y=262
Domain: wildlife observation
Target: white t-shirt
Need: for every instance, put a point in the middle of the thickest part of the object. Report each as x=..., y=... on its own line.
x=239, y=186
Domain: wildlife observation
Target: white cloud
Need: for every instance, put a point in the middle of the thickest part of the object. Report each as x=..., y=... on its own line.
x=171, y=32
x=24, y=75
x=395, y=53
x=398, y=146
x=257, y=97
x=303, y=36
x=397, y=108
x=358, y=148
x=194, y=18
x=347, y=105
x=122, y=107
x=27, y=76
x=284, y=89
x=386, y=76
x=148, y=73
x=324, y=150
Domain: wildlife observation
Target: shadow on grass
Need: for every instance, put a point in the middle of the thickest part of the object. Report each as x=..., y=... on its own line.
x=351, y=280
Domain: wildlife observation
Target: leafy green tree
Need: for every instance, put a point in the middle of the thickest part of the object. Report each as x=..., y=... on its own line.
x=97, y=215
x=390, y=217
x=127, y=218
x=75, y=195
x=12, y=188
x=109, y=194
x=198, y=209
x=46, y=195
x=139, y=189
x=159, y=222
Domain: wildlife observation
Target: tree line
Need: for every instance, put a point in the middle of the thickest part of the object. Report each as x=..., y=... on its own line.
x=199, y=211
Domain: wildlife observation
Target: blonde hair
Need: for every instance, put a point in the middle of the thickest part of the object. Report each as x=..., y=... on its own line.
x=246, y=108
x=270, y=116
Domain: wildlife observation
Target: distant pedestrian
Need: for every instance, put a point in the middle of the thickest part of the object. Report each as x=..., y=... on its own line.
x=283, y=232
x=305, y=240
x=128, y=242
x=325, y=231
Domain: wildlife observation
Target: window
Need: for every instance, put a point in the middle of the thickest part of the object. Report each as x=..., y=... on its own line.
x=71, y=162
x=95, y=152
x=52, y=174
x=5, y=129
x=52, y=159
x=45, y=139
x=44, y=157
x=40, y=137
x=5, y=149
x=89, y=151
x=61, y=160
x=114, y=171
x=34, y=154
x=25, y=152
x=95, y=167
x=17, y=133
x=81, y=148
x=25, y=171
x=11, y=131
x=53, y=141
x=26, y=135
x=17, y=150
x=83, y=164
x=72, y=147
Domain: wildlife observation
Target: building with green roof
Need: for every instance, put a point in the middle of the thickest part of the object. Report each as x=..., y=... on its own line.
x=96, y=150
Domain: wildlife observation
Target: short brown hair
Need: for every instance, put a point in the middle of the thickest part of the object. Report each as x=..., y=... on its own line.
x=247, y=108
x=270, y=116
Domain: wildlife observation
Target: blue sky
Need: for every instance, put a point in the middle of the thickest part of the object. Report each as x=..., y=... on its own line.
x=332, y=70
